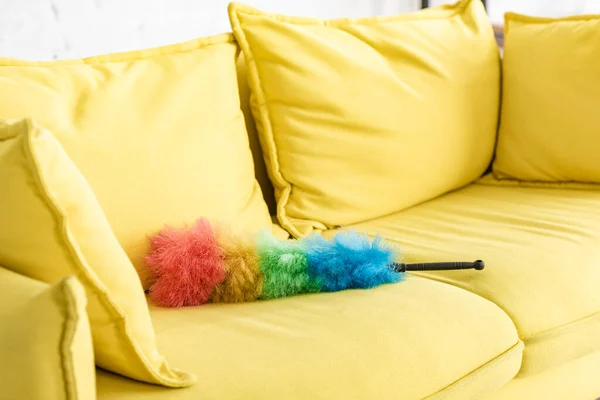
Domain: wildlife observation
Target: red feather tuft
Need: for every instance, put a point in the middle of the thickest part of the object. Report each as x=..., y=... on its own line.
x=186, y=265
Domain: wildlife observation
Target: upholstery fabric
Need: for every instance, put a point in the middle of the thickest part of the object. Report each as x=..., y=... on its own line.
x=46, y=347
x=53, y=227
x=410, y=340
x=551, y=95
x=343, y=108
x=573, y=380
x=260, y=169
x=541, y=247
x=157, y=133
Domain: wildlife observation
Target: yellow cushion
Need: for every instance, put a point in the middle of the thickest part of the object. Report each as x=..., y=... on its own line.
x=542, y=251
x=52, y=226
x=158, y=134
x=402, y=341
x=550, y=121
x=359, y=116
x=46, y=351
x=577, y=379
x=260, y=169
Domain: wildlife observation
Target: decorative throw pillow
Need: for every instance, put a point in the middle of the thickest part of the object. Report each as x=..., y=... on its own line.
x=158, y=134
x=360, y=118
x=551, y=96
x=52, y=227
x=46, y=348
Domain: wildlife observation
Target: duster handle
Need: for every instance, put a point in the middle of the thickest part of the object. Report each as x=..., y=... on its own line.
x=438, y=266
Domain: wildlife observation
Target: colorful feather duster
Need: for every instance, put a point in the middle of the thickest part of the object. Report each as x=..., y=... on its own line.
x=209, y=263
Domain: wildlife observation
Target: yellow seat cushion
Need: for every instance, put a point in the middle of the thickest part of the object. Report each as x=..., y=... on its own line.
x=574, y=380
x=344, y=108
x=551, y=96
x=46, y=351
x=407, y=341
x=158, y=134
x=52, y=227
x=542, y=250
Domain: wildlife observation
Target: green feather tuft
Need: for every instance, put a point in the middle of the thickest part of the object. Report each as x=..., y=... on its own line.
x=284, y=265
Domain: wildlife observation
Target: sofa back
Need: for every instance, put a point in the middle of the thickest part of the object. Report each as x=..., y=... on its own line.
x=260, y=169
x=379, y=124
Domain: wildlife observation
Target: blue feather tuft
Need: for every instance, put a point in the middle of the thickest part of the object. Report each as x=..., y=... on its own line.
x=350, y=261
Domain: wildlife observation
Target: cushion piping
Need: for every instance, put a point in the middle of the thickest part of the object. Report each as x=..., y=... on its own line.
x=234, y=10
x=474, y=375
x=72, y=317
x=557, y=330
x=440, y=12
x=512, y=16
x=559, y=337
x=186, y=47
x=84, y=271
x=492, y=179
x=254, y=79
x=532, y=337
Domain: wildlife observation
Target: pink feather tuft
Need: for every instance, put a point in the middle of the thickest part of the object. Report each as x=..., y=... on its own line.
x=186, y=265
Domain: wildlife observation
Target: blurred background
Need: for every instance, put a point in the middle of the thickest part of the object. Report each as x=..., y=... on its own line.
x=60, y=29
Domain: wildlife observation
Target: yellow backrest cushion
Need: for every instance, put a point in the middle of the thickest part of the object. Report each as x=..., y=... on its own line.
x=46, y=351
x=550, y=123
x=52, y=227
x=360, y=118
x=158, y=134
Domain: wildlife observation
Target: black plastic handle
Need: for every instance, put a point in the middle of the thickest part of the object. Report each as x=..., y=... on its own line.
x=438, y=266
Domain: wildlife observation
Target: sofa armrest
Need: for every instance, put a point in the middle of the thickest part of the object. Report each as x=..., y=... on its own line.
x=46, y=347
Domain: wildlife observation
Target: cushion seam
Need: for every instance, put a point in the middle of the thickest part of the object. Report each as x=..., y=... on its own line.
x=496, y=360
x=68, y=334
x=525, y=339
x=235, y=10
x=255, y=84
x=558, y=329
x=512, y=16
x=80, y=264
x=135, y=55
x=492, y=179
x=451, y=9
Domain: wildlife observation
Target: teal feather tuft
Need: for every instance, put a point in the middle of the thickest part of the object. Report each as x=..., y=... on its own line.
x=350, y=261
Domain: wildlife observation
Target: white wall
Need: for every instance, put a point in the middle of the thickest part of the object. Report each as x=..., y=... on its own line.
x=58, y=29
x=550, y=8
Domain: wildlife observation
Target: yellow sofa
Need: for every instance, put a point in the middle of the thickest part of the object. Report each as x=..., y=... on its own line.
x=527, y=327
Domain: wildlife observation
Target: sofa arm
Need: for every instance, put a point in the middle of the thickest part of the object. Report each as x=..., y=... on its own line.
x=45, y=341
